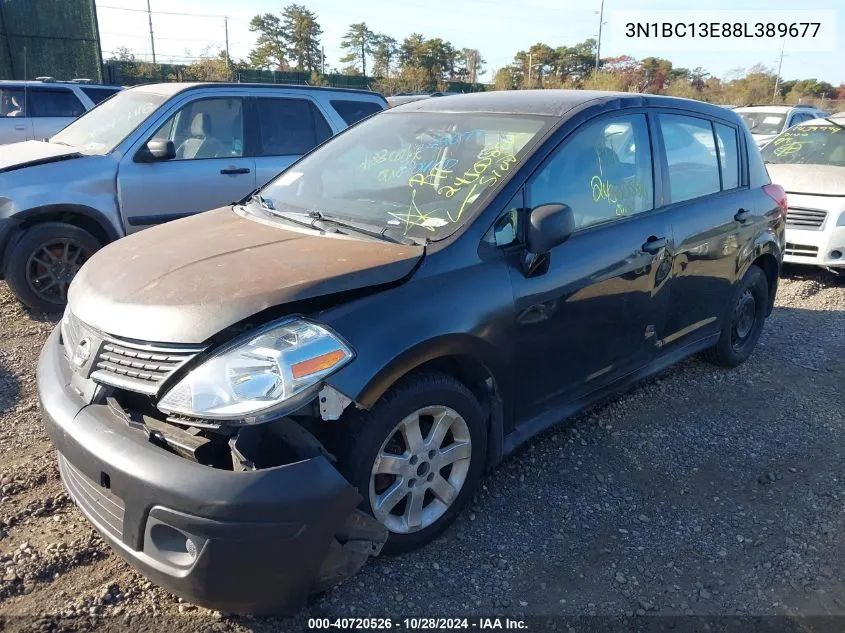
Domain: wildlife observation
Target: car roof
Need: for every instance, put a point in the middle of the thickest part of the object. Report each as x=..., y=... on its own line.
x=173, y=88
x=776, y=108
x=64, y=84
x=554, y=103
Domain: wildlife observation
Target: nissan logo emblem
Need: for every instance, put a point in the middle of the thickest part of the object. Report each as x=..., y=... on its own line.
x=82, y=353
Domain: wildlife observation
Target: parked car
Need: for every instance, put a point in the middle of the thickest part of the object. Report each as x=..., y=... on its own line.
x=149, y=155
x=38, y=109
x=249, y=403
x=397, y=100
x=767, y=121
x=809, y=161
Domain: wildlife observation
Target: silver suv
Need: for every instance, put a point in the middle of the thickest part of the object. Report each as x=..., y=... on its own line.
x=767, y=121
x=148, y=155
x=38, y=109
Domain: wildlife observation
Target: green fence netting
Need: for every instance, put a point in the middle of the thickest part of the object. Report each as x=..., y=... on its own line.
x=130, y=73
x=55, y=38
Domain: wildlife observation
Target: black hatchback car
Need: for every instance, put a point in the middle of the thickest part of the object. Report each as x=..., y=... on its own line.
x=250, y=402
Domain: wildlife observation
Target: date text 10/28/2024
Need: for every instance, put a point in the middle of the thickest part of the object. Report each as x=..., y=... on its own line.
x=419, y=624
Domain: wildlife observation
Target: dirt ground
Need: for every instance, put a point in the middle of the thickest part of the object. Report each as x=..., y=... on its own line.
x=703, y=491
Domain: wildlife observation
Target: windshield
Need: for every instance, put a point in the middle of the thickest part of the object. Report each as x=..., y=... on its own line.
x=763, y=122
x=422, y=173
x=808, y=145
x=101, y=129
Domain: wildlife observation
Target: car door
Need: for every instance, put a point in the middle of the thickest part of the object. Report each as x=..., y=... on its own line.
x=594, y=312
x=288, y=127
x=52, y=109
x=15, y=126
x=211, y=167
x=712, y=216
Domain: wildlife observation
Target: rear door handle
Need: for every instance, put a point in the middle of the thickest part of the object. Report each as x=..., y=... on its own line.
x=20, y=127
x=742, y=216
x=654, y=244
x=234, y=170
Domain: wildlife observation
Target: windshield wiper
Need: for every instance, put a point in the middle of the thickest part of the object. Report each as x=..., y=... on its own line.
x=318, y=216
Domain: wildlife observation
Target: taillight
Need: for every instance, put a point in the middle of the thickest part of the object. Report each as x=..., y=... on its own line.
x=777, y=193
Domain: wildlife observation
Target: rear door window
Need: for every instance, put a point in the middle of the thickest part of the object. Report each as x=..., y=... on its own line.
x=690, y=156
x=98, y=95
x=290, y=127
x=54, y=102
x=728, y=155
x=12, y=102
x=353, y=111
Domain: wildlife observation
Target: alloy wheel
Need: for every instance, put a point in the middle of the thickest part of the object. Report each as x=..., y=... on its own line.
x=420, y=469
x=52, y=266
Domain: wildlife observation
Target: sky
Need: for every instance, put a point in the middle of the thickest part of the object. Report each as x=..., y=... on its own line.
x=497, y=28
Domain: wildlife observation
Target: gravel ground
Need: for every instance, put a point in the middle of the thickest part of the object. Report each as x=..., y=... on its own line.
x=703, y=491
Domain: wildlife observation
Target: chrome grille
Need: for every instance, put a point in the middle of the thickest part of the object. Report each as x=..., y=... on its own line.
x=807, y=219
x=801, y=250
x=131, y=365
x=105, y=507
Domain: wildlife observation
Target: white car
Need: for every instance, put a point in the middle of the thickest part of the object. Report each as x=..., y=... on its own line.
x=809, y=162
x=34, y=110
x=766, y=122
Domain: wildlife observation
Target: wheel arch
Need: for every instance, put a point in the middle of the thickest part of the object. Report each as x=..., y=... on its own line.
x=80, y=216
x=766, y=255
x=470, y=360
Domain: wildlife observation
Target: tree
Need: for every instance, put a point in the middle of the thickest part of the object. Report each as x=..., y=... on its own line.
x=411, y=51
x=270, y=50
x=385, y=51
x=504, y=79
x=122, y=54
x=208, y=68
x=470, y=64
x=359, y=42
x=437, y=58
x=302, y=37
x=575, y=62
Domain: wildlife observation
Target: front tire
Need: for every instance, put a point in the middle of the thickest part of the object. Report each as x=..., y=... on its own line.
x=416, y=457
x=743, y=322
x=44, y=262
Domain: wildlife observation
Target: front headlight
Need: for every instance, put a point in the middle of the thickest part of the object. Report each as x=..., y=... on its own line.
x=258, y=374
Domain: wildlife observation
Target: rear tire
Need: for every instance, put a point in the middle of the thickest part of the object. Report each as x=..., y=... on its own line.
x=743, y=320
x=368, y=444
x=45, y=260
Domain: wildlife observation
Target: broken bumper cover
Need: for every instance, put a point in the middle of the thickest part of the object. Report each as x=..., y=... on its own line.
x=244, y=542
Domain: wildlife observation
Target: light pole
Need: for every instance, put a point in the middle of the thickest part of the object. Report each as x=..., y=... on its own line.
x=780, y=65
x=598, y=44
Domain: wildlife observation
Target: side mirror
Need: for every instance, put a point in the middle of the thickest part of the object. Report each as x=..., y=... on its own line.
x=155, y=151
x=548, y=225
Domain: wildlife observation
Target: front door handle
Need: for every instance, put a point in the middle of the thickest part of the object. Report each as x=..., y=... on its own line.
x=20, y=127
x=234, y=170
x=654, y=244
x=742, y=216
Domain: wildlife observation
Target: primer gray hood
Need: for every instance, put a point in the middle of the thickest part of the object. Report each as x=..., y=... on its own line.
x=28, y=153
x=824, y=180
x=185, y=281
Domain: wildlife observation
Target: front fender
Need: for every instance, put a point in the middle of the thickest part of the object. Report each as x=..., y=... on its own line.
x=428, y=317
x=88, y=182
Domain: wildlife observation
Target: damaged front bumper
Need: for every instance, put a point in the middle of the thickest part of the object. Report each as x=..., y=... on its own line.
x=255, y=541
